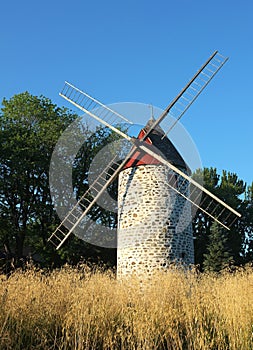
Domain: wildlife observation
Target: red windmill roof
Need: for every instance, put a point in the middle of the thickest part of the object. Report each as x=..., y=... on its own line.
x=165, y=146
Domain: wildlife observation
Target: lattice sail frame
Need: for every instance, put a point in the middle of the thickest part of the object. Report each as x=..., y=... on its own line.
x=209, y=204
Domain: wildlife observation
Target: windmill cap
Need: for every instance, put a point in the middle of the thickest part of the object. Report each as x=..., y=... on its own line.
x=164, y=145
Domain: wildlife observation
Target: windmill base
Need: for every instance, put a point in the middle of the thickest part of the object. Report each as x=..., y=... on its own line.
x=154, y=222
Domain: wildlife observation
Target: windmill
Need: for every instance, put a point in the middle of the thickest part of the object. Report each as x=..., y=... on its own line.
x=160, y=231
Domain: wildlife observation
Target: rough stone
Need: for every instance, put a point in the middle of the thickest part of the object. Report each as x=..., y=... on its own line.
x=154, y=225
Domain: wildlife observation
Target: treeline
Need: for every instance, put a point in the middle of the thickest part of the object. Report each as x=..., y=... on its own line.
x=30, y=127
x=216, y=247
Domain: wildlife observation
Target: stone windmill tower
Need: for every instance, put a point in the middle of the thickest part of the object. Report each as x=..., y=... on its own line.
x=156, y=191
x=154, y=221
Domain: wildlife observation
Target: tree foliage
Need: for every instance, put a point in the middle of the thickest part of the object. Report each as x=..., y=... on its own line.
x=238, y=240
x=29, y=129
x=219, y=254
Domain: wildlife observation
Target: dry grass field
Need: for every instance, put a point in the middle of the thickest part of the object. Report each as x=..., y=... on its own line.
x=82, y=309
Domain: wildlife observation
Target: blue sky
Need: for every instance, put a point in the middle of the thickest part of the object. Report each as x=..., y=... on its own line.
x=140, y=51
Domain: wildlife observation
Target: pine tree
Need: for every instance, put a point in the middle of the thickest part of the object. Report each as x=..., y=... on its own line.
x=218, y=255
x=230, y=189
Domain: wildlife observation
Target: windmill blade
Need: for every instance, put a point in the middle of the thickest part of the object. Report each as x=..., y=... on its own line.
x=206, y=203
x=176, y=108
x=83, y=206
x=200, y=197
x=190, y=92
x=95, y=109
x=209, y=203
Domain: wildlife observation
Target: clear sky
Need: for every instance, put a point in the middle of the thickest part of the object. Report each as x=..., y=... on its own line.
x=140, y=51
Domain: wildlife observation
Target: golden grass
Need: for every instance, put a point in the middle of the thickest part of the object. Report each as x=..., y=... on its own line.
x=78, y=309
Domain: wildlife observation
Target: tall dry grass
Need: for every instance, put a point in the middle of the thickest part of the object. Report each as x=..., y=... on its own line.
x=79, y=309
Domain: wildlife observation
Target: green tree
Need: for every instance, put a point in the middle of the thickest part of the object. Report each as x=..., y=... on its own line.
x=229, y=188
x=29, y=129
x=75, y=248
x=201, y=221
x=248, y=225
x=218, y=255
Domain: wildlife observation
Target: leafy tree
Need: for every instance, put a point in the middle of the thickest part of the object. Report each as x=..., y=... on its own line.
x=75, y=248
x=29, y=129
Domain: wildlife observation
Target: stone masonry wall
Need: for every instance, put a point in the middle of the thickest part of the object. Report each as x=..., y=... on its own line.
x=154, y=222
